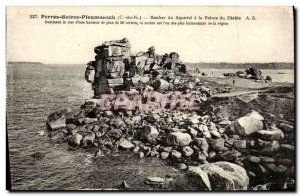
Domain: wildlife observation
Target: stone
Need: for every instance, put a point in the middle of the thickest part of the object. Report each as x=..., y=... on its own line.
x=117, y=122
x=240, y=144
x=70, y=127
x=136, y=149
x=64, y=131
x=161, y=84
x=195, y=179
x=149, y=132
x=263, y=187
x=270, y=135
x=155, y=180
x=194, y=121
x=115, y=133
x=207, y=134
x=211, y=154
x=141, y=155
x=175, y=154
x=76, y=139
x=99, y=153
x=286, y=127
x=108, y=113
x=226, y=176
x=245, y=126
x=224, y=123
x=267, y=159
x=181, y=166
x=271, y=147
x=136, y=119
x=124, y=185
x=187, y=151
x=215, y=134
x=89, y=139
x=56, y=121
x=164, y=155
x=38, y=155
x=212, y=176
x=125, y=144
x=217, y=144
x=105, y=140
x=178, y=139
x=276, y=169
x=286, y=162
x=256, y=115
x=201, y=157
x=229, y=141
x=254, y=159
x=287, y=147
x=202, y=144
x=89, y=120
x=166, y=149
x=193, y=132
x=230, y=156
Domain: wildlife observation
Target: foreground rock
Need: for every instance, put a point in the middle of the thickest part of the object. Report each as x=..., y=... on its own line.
x=212, y=176
x=246, y=125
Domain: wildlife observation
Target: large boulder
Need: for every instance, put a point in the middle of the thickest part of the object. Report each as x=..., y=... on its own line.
x=287, y=128
x=149, y=132
x=270, y=135
x=89, y=139
x=245, y=126
x=179, y=139
x=226, y=176
x=56, y=120
x=212, y=176
x=202, y=144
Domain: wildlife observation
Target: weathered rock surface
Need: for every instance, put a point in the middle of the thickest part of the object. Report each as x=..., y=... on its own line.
x=212, y=176
x=125, y=144
x=245, y=125
x=149, y=132
x=56, y=121
x=179, y=139
x=270, y=135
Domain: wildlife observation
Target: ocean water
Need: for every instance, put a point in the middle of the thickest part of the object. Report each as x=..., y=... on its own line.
x=33, y=92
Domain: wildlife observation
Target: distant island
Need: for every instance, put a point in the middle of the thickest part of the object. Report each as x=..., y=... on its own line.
x=24, y=62
x=276, y=65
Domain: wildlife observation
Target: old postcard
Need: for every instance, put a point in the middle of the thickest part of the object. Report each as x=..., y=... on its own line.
x=159, y=98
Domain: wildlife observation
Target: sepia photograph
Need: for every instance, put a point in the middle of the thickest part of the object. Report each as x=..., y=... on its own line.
x=157, y=98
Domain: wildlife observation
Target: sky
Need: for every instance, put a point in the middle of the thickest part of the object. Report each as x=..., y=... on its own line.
x=269, y=38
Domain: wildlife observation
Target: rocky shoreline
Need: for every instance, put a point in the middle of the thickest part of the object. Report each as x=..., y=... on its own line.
x=154, y=106
x=251, y=152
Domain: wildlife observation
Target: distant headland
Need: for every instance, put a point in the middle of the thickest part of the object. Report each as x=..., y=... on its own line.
x=273, y=65
x=24, y=62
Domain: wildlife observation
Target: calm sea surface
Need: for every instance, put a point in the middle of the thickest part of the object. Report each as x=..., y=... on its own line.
x=33, y=92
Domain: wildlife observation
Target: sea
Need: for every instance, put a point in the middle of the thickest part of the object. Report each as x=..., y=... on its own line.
x=33, y=92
